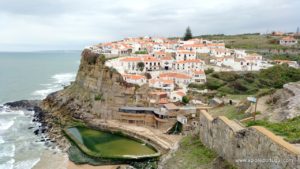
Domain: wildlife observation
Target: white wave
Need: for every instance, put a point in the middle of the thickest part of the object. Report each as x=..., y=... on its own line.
x=11, y=112
x=1, y=140
x=26, y=164
x=8, y=165
x=59, y=80
x=64, y=78
x=43, y=93
x=8, y=150
x=5, y=124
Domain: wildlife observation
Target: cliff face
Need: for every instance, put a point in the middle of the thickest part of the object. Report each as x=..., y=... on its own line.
x=97, y=92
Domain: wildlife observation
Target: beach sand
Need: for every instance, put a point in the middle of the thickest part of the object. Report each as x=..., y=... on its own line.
x=71, y=165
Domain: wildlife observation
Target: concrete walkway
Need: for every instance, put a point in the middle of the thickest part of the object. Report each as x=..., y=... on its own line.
x=155, y=136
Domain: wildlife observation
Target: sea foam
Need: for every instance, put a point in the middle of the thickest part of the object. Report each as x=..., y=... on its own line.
x=58, y=81
x=8, y=165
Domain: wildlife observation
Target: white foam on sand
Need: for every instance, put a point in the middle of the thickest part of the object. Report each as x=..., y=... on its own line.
x=8, y=165
x=26, y=163
x=58, y=82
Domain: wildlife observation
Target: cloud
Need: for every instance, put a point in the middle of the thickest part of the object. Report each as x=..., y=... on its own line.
x=72, y=24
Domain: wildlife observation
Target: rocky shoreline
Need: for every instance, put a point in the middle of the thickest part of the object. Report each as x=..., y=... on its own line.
x=49, y=134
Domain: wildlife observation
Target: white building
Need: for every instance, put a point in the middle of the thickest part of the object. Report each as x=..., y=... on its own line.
x=163, y=84
x=190, y=64
x=135, y=79
x=288, y=41
x=176, y=96
x=185, y=55
x=180, y=79
x=167, y=63
x=220, y=52
x=199, y=76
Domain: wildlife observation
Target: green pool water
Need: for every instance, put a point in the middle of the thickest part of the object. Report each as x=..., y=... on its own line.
x=106, y=144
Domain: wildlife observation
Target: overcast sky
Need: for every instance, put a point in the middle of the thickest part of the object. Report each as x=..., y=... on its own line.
x=73, y=24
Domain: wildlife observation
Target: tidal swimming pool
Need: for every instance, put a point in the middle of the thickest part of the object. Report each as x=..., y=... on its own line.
x=109, y=145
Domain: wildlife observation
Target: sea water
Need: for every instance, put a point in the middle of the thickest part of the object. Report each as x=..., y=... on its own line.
x=29, y=75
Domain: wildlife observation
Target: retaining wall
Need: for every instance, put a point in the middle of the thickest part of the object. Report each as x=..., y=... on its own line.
x=247, y=148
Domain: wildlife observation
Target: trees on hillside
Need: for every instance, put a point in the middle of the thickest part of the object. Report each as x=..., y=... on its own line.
x=188, y=34
x=141, y=66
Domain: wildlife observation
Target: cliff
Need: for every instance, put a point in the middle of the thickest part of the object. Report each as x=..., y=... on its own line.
x=97, y=93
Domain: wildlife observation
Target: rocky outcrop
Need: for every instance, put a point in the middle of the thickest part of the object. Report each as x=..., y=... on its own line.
x=23, y=104
x=284, y=104
x=97, y=93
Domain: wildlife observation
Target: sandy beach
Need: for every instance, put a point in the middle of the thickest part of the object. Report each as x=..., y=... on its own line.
x=71, y=165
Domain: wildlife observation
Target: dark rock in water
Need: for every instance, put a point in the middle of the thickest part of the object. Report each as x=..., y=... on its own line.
x=30, y=128
x=23, y=104
x=36, y=132
x=39, y=115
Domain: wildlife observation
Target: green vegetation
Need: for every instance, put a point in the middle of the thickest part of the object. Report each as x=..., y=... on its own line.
x=191, y=154
x=289, y=129
x=188, y=34
x=99, y=97
x=141, y=52
x=141, y=66
x=251, y=83
x=176, y=128
x=185, y=100
x=209, y=71
x=102, y=58
x=229, y=111
x=292, y=57
x=252, y=41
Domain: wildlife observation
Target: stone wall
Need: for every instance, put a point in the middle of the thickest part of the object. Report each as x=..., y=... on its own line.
x=247, y=148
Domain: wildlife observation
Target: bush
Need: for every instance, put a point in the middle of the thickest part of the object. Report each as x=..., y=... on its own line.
x=197, y=86
x=141, y=52
x=102, y=58
x=99, y=97
x=228, y=76
x=185, y=100
x=214, y=84
x=209, y=71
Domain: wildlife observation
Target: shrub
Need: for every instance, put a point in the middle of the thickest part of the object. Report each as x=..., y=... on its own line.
x=213, y=83
x=141, y=52
x=102, y=58
x=197, y=86
x=209, y=71
x=185, y=100
x=98, y=97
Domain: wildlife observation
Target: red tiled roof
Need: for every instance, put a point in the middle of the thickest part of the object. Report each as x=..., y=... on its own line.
x=175, y=75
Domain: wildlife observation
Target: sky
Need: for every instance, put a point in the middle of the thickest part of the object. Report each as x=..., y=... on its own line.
x=28, y=25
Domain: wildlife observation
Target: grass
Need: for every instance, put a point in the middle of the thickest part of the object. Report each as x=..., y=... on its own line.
x=289, y=129
x=248, y=41
x=229, y=111
x=191, y=154
x=250, y=83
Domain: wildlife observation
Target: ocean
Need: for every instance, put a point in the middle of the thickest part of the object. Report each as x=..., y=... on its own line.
x=29, y=75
